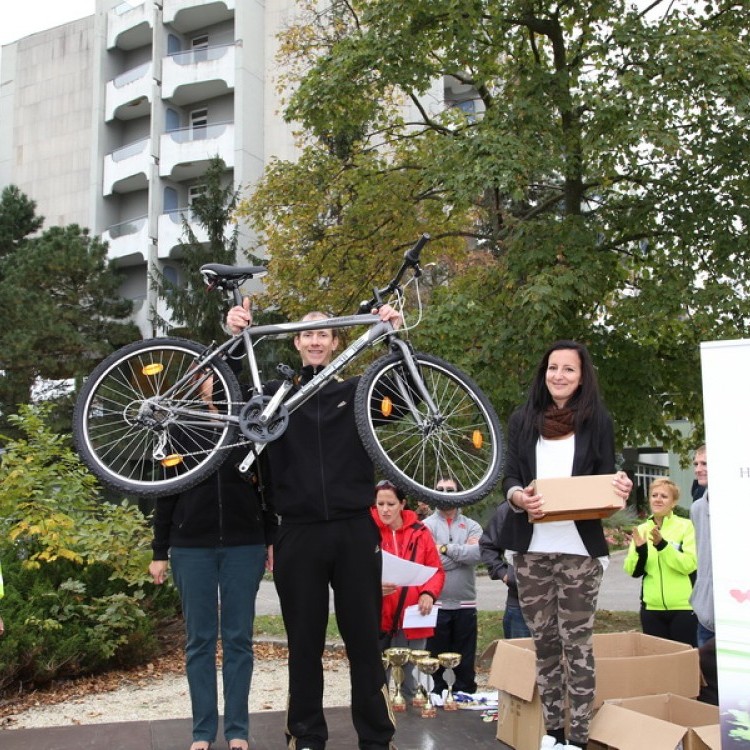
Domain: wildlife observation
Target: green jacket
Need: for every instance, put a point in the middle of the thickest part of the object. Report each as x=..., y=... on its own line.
x=667, y=570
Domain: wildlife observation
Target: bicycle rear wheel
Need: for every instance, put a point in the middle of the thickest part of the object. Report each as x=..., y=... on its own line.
x=151, y=419
x=415, y=438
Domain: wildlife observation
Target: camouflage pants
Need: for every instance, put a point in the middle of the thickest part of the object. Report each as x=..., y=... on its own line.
x=558, y=593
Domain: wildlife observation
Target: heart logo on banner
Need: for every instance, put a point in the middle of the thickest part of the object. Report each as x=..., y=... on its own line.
x=740, y=596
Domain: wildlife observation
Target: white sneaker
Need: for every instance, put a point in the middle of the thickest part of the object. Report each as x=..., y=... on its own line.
x=549, y=743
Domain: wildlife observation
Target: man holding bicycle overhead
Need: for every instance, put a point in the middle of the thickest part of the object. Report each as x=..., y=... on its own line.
x=321, y=483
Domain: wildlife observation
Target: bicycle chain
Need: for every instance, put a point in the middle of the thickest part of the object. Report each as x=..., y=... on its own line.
x=219, y=448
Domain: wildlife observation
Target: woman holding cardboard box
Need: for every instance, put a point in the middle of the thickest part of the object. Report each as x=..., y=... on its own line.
x=662, y=552
x=562, y=430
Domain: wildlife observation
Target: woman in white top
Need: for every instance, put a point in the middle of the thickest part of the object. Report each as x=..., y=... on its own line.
x=563, y=429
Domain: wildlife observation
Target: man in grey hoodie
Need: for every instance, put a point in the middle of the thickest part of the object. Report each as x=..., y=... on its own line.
x=457, y=540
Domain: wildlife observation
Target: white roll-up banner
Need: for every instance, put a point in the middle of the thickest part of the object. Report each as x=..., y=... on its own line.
x=726, y=399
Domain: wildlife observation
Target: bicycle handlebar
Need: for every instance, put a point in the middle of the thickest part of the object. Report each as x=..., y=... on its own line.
x=411, y=260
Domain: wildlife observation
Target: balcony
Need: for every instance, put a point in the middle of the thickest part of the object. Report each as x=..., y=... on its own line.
x=188, y=15
x=129, y=26
x=198, y=75
x=185, y=153
x=129, y=95
x=128, y=241
x=128, y=168
x=171, y=231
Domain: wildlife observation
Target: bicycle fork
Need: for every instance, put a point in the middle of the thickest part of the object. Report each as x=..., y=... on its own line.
x=418, y=385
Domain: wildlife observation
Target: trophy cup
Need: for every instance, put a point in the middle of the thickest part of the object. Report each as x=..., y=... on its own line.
x=448, y=662
x=420, y=696
x=428, y=666
x=397, y=657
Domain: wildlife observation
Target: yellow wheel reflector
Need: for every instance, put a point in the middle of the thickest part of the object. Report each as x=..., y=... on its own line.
x=152, y=369
x=386, y=407
x=172, y=460
x=477, y=439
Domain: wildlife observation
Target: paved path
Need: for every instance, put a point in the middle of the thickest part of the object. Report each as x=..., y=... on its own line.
x=619, y=592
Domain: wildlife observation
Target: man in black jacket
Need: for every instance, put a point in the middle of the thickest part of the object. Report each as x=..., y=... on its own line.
x=321, y=482
x=499, y=569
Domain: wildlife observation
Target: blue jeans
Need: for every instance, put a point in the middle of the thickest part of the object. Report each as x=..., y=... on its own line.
x=217, y=588
x=514, y=626
x=704, y=634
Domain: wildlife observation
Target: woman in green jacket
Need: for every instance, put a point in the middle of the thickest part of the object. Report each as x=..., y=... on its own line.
x=662, y=552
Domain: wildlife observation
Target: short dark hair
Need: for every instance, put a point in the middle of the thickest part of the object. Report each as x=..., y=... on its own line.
x=449, y=478
x=385, y=484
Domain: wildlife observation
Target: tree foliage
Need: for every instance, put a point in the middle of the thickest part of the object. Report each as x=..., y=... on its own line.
x=194, y=313
x=18, y=219
x=77, y=596
x=597, y=182
x=59, y=304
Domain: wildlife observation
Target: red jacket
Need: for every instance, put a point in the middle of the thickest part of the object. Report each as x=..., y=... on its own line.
x=414, y=542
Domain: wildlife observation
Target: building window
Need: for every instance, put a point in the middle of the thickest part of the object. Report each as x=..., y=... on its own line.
x=199, y=124
x=199, y=45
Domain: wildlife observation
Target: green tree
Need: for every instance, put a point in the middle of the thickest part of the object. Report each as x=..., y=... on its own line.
x=18, y=219
x=596, y=172
x=60, y=308
x=61, y=311
x=194, y=313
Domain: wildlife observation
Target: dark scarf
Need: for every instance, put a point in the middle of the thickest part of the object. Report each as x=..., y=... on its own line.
x=558, y=423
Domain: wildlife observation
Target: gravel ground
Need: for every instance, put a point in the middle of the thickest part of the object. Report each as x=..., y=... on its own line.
x=167, y=698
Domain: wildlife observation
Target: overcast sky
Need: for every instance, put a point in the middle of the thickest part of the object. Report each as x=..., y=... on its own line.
x=19, y=19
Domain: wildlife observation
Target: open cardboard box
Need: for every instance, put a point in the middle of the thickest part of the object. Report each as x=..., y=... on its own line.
x=578, y=498
x=656, y=722
x=627, y=665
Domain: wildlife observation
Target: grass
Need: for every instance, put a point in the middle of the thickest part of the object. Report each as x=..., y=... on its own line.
x=490, y=626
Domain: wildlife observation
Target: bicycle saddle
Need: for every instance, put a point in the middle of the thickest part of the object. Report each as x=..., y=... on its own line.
x=218, y=271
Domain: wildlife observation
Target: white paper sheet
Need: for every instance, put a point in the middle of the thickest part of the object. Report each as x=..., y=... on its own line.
x=412, y=618
x=404, y=572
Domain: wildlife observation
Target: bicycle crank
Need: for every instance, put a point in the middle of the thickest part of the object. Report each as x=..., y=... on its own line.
x=253, y=425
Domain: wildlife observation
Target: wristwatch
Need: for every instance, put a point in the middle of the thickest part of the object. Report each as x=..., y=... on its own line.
x=443, y=549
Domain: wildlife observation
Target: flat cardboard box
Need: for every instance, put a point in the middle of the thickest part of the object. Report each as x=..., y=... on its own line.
x=656, y=722
x=578, y=498
x=627, y=665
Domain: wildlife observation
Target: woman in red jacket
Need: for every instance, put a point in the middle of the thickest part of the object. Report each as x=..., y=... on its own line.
x=403, y=535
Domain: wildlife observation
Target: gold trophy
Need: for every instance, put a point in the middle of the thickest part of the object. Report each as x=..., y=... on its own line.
x=420, y=696
x=428, y=666
x=397, y=657
x=449, y=661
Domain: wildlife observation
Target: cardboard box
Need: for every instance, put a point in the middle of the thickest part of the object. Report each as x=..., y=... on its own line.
x=656, y=722
x=627, y=665
x=578, y=498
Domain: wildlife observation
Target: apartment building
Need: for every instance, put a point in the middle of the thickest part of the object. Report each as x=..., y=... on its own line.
x=111, y=120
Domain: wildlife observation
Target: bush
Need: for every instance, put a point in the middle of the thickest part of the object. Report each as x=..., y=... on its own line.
x=77, y=596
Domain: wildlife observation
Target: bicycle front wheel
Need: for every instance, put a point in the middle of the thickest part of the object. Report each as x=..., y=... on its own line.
x=437, y=426
x=152, y=419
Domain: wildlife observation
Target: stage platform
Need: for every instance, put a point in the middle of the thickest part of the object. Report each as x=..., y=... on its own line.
x=455, y=729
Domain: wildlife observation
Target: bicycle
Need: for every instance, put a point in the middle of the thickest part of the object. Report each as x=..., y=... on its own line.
x=158, y=416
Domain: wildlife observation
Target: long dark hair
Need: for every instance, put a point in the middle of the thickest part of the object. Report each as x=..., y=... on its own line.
x=586, y=402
